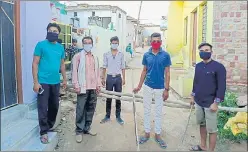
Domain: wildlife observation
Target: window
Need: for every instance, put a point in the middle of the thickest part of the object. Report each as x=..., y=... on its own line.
x=93, y=13
x=75, y=14
x=185, y=30
x=119, y=15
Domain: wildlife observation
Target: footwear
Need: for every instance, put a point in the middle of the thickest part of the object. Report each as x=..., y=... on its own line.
x=79, y=138
x=196, y=148
x=143, y=140
x=104, y=120
x=119, y=120
x=44, y=139
x=161, y=143
x=90, y=132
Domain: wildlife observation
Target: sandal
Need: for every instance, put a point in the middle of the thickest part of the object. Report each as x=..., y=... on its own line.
x=196, y=148
x=44, y=139
x=161, y=143
x=143, y=140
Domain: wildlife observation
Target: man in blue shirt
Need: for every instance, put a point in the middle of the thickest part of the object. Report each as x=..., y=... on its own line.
x=48, y=60
x=209, y=88
x=156, y=75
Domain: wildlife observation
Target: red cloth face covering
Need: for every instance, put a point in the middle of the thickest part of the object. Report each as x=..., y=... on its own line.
x=156, y=45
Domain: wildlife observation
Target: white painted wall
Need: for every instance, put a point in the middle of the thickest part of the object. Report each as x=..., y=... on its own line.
x=104, y=34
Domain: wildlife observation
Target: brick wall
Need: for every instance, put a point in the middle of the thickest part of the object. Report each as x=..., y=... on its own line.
x=230, y=41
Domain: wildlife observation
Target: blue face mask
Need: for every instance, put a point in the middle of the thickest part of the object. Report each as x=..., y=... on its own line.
x=205, y=55
x=114, y=46
x=52, y=37
x=88, y=47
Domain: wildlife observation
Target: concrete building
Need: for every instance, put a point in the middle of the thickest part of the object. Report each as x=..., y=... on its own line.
x=222, y=24
x=105, y=16
x=21, y=32
x=131, y=25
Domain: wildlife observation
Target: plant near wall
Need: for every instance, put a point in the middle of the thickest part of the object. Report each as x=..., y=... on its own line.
x=223, y=116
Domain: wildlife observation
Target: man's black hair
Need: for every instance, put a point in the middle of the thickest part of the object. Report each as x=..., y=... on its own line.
x=205, y=44
x=156, y=35
x=74, y=40
x=87, y=38
x=115, y=38
x=59, y=41
x=54, y=25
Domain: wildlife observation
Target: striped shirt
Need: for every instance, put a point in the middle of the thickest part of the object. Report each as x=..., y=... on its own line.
x=113, y=64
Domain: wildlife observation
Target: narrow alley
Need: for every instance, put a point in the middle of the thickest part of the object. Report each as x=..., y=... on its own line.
x=114, y=137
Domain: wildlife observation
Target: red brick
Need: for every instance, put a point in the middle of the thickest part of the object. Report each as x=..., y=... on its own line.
x=242, y=65
x=243, y=6
x=216, y=34
x=231, y=14
x=225, y=34
x=221, y=46
x=228, y=39
x=236, y=57
x=224, y=14
x=238, y=14
x=220, y=40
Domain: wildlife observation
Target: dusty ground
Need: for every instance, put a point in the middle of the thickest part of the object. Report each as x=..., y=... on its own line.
x=112, y=136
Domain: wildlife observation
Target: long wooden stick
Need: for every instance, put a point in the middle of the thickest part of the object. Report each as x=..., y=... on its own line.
x=139, y=98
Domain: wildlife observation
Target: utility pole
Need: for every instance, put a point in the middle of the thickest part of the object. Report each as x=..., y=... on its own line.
x=136, y=30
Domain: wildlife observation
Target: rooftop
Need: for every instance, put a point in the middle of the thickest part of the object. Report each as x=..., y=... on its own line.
x=94, y=7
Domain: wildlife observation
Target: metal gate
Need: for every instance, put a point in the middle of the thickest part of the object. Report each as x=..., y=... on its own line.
x=7, y=55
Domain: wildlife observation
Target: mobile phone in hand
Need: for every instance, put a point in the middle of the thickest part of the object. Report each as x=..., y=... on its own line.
x=41, y=90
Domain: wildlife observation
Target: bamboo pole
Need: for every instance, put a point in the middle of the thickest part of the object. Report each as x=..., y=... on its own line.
x=169, y=103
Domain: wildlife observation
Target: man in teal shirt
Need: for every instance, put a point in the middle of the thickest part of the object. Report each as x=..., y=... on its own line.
x=129, y=49
x=47, y=62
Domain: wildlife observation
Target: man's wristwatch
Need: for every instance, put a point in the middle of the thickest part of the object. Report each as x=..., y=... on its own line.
x=217, y=100
x=167, y=89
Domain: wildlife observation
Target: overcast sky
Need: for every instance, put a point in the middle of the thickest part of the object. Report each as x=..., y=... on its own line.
x=151, y=11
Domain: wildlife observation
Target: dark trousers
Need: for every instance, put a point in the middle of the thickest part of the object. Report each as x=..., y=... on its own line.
x=48, y=105
x=113, y=83
x=86, y=105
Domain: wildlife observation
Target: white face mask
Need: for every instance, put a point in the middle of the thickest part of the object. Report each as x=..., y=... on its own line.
x=114, y=46
x=88, y=47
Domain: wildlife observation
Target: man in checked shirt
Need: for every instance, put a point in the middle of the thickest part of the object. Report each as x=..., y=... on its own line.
x=114, y=64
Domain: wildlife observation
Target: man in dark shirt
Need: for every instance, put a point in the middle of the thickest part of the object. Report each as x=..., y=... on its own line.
x=209, y=88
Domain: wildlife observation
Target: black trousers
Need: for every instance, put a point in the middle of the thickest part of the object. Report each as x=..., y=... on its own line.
x=48, y=105
x=113, y=83
x=86, y=105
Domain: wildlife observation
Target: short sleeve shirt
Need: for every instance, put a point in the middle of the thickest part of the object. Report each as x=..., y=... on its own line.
x=50, y=55
x=156, y=65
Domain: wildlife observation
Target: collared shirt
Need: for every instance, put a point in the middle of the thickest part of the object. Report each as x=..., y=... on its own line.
x=156, y=65
x=50, y=55
x=113, y=64
x=91, y=81
x=209, y=83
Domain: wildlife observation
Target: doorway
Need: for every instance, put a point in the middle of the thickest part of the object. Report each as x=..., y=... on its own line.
x=8, y=88
x=194, y=29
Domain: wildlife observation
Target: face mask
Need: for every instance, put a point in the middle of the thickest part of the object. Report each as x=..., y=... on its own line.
x=156, y=45
x=114, y=46
x=52, y=37
x=205, y=55
x=88, y=47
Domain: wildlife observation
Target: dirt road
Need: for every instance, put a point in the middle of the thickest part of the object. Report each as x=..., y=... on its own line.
x=112, y=136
